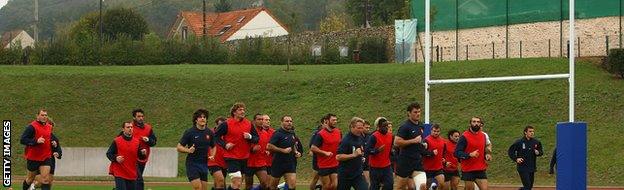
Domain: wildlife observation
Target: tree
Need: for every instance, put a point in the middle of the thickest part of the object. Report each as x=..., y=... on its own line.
x=223, y=6
x=87, y=25
x=122, y=21
x=381, y=12
x=334, y=22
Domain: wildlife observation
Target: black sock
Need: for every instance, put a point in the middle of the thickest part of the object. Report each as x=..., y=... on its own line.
x=25, y=185
x=45, y=186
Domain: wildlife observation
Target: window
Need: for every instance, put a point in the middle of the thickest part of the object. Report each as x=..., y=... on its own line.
x=224, y=29
x=240, y=19
x=184, y=32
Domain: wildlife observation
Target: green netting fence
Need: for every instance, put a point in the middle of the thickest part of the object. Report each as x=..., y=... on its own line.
x=452, y=14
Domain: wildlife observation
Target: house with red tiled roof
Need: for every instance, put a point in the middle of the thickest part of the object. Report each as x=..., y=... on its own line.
x=16, y=37
x=227, y=26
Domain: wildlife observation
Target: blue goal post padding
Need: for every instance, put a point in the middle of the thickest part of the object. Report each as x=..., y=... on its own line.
x=571, y=156
x=427, y=130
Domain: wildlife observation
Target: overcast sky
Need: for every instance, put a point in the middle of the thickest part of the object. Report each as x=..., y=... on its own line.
x=3, y=2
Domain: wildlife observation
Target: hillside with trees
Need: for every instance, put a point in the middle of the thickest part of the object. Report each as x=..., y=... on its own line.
x=299, y=15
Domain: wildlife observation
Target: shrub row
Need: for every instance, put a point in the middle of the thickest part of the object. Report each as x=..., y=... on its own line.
x=151, y=50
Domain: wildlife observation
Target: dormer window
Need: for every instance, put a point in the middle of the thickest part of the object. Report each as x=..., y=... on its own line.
x=224, y=29
x=184, y=32
x=240, y=19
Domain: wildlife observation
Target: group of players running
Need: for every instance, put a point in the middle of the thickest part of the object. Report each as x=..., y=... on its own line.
x=239, y=149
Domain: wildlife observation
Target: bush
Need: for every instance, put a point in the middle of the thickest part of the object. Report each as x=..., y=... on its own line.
x=123, y=51
x=330, y=54
x=301, y=54
x=84, y=49
x=207, y=51
x=11, y=56
x=260, y=51
x=615, y=62
x=60, y=52
x=152, y=48
x=174, y=52
x=373, y=50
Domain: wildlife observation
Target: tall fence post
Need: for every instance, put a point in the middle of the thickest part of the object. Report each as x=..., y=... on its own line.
x=568, y=49
x=507, y=29
x=578, y=53
x=548, y=48
x=466, y=52
x=431, y=50
x=520, y=48
x=438, y=53
x=607, y=45
x=560, y=28
x=456, y=30
x=441, y=53
x=493, y=55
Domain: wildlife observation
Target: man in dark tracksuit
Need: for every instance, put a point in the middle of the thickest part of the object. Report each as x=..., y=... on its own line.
x=524, y=153
x=349, y=155
x=366, y=165
x=286, y=149
x=196, y=143
x=409, y=139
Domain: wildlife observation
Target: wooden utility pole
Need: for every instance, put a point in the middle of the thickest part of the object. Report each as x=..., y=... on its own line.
x=36, y=30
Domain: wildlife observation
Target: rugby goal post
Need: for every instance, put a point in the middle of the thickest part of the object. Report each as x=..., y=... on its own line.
x=571, y=135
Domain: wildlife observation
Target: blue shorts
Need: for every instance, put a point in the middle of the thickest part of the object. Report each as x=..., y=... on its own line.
x=473, y=175
x=236, y=165
x=407, y=166
x=279, y=170
x=197, y=171
x=327, y=171
x=33, y=166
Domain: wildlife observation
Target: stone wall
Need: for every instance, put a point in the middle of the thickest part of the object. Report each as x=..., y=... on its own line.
x=489, y=42
x=338, y=38
x=525, y=40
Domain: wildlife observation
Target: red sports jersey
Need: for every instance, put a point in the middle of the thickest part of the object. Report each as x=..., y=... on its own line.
x=381, y=159
x=434, y=163
x=269, y=157
x=235, y=131
x=474, y=141
x=218, y=160
x=330, y=140
x=129, y=150
x=40, y=152
x=140, y=133
x=259, y=158
x=449, y=157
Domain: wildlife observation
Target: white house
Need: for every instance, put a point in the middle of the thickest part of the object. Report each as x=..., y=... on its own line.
x=227, y=26
x=16, y=37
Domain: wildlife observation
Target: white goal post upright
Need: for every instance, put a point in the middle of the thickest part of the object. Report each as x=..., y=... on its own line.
x=571, y=136
x=429, y=82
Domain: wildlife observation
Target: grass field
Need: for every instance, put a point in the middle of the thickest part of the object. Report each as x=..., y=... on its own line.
x=89, y=103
